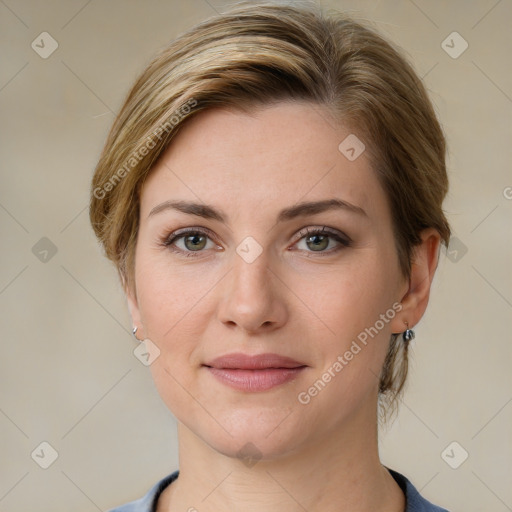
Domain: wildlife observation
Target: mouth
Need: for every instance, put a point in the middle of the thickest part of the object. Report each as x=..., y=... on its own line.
x=254, y=373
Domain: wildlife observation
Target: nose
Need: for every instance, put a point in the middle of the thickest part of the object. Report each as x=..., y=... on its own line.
x=253, y=297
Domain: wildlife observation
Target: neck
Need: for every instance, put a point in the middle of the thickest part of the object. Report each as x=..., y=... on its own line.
x=341, y=473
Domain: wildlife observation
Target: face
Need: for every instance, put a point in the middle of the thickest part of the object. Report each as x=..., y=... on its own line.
x=260, y=272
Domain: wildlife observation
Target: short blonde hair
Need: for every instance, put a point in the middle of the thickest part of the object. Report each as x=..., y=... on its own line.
x=257, y=54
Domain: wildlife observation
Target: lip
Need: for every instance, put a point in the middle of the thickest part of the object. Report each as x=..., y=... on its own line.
x=240, y=361
x=254, y=373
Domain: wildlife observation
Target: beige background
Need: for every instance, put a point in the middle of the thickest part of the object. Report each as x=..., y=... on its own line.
x=67, y=372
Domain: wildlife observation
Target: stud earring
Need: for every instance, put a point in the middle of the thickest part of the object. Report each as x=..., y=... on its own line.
x=408, y=334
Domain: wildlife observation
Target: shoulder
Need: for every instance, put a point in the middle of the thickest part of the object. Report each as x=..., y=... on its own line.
x=148, y=502
x=415, y=502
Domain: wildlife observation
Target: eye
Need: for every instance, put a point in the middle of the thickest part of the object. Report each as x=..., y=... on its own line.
x=189, y=241
x=317, y=240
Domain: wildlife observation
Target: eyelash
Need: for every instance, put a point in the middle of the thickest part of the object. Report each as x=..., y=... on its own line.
x=169, y=240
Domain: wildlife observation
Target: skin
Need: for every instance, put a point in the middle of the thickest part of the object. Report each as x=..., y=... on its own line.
x=292, y=300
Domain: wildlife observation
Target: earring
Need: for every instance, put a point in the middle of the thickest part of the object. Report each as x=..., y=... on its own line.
x=408, y=334
x=134, y=333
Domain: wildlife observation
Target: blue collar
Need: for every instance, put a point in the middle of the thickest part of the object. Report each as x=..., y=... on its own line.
x=414, y=501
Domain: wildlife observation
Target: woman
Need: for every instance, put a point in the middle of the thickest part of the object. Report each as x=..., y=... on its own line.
x=271, y=195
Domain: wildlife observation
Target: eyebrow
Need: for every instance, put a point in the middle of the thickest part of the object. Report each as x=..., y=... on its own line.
x=298, y=210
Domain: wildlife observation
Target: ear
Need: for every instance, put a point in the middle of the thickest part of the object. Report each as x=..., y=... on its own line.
x=423, y=266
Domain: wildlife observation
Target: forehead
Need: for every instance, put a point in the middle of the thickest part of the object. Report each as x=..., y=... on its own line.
x=260, y=161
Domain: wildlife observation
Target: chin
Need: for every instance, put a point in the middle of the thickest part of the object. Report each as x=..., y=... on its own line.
x=252, y=448
x=252, y=435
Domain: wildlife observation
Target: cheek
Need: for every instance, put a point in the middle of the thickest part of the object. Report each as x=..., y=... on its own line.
x=352, y=295
x=172, y=313
x=178, y=300
x=170, y=297
x=172, y=306
x=357, y=311
x=356, y=304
